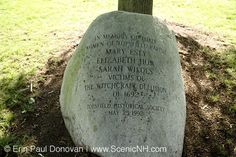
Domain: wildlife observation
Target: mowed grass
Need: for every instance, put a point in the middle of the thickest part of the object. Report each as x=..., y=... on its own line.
x=217, y=16
x=31, y=31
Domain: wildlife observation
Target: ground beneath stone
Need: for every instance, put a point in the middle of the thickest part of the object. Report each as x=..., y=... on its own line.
x=206, y=126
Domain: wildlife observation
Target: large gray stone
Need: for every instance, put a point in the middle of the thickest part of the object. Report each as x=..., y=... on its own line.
x=123, y=88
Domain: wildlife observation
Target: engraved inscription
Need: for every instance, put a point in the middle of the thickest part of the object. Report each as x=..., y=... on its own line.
x=126, y=65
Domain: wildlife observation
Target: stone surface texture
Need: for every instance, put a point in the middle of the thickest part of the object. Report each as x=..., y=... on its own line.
x=122, y=88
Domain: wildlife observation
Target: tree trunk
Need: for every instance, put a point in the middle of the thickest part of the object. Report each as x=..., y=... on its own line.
x=137, y=6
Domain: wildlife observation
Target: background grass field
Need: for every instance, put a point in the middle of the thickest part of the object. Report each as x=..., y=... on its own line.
x=31, y=31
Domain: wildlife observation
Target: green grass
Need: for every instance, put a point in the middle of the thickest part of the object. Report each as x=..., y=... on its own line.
x=217, y=16
x=31, y=31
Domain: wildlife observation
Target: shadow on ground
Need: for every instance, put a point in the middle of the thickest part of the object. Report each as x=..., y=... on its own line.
x=210, y=127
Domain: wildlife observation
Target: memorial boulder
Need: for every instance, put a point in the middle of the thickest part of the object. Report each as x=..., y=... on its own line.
x=122, y=89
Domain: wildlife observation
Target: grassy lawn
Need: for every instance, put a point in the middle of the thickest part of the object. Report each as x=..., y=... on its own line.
x=31, y=31
x=217, y=16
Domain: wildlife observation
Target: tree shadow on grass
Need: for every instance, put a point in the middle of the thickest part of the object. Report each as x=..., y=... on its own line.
x=15, y=99
x=210, y=127
x=37, y=116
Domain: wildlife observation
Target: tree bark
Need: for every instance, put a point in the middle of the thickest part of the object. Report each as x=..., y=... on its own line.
x=137, y=6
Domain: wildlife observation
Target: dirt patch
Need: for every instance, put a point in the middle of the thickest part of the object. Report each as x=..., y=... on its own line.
x=208, y=127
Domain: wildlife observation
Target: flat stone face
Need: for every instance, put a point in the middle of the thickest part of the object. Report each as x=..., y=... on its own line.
x=122, y=88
